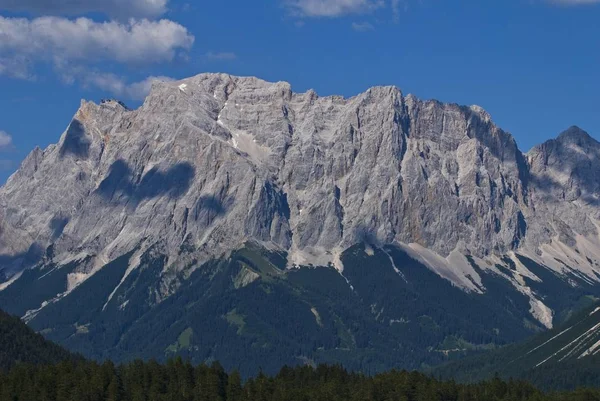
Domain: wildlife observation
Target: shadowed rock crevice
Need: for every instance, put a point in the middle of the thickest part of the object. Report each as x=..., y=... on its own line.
x=211, y=203
x=23, y=260
x=117, y=183
x=366, y=235
x=120, y=185
x=173, y=183
x=57, y=225
x=209, y=207
x=285, y=206
x=76, y=141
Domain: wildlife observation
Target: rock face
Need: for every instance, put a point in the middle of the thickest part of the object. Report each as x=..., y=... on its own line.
x=565, y=174
x=219, y=159
x=211, y=162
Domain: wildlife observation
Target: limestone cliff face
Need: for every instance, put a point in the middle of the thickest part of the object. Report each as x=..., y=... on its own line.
x=566, y=180
x=210, y=162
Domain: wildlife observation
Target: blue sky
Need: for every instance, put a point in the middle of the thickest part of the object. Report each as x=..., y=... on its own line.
x=533, y=64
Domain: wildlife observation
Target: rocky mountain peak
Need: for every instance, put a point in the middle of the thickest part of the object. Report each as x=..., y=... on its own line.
x=575, y=134
x=570, y=159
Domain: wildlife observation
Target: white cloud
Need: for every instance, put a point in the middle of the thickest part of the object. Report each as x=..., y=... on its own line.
x=5, y=140
x=118, y=87
x=222, y=56
x=84, y=40
x=396, y=9
x=333, y=8
x=16, y=67
x=362, y=26
x=75, y=47
x=111, y=83
x=112, y=8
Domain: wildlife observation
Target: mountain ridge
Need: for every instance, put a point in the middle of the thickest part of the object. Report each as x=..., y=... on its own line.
x=211, y=165
x=309, y=249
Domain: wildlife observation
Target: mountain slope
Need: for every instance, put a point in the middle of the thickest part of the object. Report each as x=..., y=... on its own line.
x=249, y=311
x=19, y=343
x=573, y=347
x=423, y=216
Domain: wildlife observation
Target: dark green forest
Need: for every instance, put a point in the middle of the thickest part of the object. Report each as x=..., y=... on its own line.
x=180, y=381
x=20, y=344
x=550, y=360
x=34, y=369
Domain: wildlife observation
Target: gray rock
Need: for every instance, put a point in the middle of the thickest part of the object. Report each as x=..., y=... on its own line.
x=210, y=162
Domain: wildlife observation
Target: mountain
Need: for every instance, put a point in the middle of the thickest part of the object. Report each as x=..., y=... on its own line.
x=19, y=343
x=230, y=218
x=566, y=357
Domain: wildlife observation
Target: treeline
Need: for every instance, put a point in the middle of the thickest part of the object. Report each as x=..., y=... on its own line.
x=180, y=381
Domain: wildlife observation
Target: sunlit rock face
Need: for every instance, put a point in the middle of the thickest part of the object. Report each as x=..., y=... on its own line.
x=209, y=163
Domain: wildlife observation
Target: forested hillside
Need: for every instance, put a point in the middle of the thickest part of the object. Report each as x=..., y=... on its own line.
x=180, y=381
x=34, y=369
x=564, y=358
x=18, y=343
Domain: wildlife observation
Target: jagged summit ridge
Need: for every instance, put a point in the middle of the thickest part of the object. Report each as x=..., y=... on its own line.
x=213, y=161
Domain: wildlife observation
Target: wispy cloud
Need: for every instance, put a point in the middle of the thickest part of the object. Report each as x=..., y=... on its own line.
x=362, y=26
x=119, y=87
x=332, y=8
x=396, y=9
x=113, y=8
x=114, y=84
x=16, y=66
x=339, y=8
x=6, y=141
x=6, y=144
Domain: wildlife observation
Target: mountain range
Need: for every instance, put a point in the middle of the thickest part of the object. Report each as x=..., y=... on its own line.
x=230, y=218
